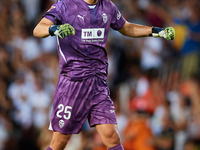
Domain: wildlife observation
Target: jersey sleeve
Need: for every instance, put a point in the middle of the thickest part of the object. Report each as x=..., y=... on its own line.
x=55, y=12
x=118, y=20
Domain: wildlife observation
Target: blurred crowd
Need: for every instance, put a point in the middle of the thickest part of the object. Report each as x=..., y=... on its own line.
x=154, y=83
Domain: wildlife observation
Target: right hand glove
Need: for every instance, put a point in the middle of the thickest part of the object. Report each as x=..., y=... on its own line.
x=61, y=30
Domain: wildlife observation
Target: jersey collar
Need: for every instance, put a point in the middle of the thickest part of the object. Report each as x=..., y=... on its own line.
x=86, y=5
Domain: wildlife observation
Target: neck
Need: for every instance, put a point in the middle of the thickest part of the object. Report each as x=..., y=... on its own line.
x=91, y=1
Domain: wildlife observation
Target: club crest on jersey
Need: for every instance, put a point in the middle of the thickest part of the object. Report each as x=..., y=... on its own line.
x=61, y=123
x=119, y=15
x=105, y=18
x=52, y=7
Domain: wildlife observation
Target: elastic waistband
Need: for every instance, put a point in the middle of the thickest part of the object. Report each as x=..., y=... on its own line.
x=81, y=78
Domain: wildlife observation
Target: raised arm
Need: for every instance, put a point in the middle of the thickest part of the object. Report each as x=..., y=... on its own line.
x=42, y=29
x=46, y=27
x=136, y=31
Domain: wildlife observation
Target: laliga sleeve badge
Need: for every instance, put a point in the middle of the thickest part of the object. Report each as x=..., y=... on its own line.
x=52, y=7
x=119, y=15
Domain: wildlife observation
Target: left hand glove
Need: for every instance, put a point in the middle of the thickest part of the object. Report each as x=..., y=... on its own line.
x=166, y=33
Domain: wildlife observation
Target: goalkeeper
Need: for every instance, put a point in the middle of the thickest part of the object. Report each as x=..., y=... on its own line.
x=82, y=28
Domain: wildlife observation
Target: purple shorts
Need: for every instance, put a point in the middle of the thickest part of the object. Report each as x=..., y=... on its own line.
x=74, y=101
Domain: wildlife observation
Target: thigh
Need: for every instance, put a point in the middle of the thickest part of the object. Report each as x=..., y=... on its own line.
x=102, y=110
x=71, y=105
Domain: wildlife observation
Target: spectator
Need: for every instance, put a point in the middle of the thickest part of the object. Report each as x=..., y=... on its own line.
x=165, y=140
x=137, y=134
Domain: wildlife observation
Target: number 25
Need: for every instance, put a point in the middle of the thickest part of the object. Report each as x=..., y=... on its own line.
x=61, y=107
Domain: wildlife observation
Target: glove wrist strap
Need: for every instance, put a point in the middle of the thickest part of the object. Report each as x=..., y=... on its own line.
x=52, y=30
x=156, y=30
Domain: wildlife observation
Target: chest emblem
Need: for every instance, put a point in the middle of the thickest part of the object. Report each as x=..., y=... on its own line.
x=105, y=18
x=93, y=35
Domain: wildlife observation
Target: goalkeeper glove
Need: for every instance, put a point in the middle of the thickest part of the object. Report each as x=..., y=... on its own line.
x=166, y=33
x=61, y=30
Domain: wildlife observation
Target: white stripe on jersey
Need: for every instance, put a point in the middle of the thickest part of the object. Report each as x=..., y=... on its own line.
x=61, y=50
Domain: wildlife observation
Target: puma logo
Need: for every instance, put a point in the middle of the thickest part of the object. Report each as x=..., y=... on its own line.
x=82, y=17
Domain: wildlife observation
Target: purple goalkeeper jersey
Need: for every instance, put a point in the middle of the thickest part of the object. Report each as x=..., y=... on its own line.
x=83, y=55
